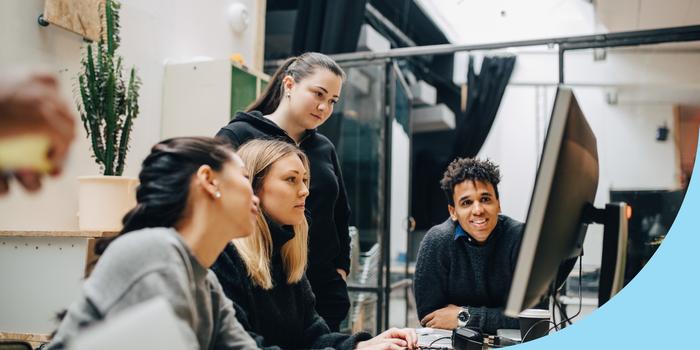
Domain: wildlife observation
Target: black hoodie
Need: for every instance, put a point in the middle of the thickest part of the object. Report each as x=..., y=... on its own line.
x=327, y=204
x=282, y=317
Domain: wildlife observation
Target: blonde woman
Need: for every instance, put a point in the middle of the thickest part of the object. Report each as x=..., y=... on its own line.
x=300, y=98
x=264, y=273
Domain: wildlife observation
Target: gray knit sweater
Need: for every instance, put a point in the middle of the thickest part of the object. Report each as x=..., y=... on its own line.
x=460, y=272
x=153, y=263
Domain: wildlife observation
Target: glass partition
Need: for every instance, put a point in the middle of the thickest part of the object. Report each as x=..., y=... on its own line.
x=399, y=282
x=357, y=129
x=370, y=128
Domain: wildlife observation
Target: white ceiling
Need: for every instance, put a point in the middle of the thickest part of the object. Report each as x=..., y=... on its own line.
x=488, y=21
x=480, y=21
x=624, y=15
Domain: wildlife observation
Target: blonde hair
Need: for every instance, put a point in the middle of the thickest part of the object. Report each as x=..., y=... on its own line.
x=256, y=249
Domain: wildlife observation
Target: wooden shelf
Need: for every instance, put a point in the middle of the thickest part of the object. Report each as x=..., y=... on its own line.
x=76, y=233
x=34, y=339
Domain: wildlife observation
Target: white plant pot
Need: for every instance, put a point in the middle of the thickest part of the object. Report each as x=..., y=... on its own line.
x=103, y=201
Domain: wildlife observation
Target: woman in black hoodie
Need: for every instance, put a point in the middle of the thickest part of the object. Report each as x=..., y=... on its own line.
x=264, y=273
x=298, y=99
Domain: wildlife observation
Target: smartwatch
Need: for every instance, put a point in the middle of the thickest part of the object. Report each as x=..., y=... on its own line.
x=463, y=317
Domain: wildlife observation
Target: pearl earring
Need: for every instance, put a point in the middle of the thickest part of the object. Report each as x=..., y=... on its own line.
x=217, y=195
x=289, y=95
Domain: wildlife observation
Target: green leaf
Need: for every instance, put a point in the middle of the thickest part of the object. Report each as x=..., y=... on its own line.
x=109, y=27
x=131, y=113
x=110, y=125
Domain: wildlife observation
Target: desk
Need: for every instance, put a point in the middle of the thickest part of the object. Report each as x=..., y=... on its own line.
x=42, y=273
x=440, y=339
x=432, y=338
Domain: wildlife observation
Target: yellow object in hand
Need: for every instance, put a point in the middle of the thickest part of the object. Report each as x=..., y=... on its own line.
x=27, y=152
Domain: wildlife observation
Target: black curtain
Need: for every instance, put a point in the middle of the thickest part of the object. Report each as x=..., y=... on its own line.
x=484, y=95
x=434, y=151
x=328, y=26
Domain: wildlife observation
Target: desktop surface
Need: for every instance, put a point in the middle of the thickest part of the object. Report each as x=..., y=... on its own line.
x=441, y=339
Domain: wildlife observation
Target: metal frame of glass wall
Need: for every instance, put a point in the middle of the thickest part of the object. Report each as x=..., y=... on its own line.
x=368, y=111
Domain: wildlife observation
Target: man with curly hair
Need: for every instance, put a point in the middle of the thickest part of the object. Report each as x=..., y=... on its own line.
x=465, y=265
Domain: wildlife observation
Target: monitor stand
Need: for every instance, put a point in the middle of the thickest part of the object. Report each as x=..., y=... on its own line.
x=614, y=219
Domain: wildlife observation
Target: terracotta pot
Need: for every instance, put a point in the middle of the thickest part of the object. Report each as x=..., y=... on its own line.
x=103, y=201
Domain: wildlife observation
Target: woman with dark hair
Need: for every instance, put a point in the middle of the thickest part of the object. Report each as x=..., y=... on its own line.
x=192, y=200
x=264, y=273
x=299, y=98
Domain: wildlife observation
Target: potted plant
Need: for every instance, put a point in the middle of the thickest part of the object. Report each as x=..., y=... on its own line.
x=108, y=105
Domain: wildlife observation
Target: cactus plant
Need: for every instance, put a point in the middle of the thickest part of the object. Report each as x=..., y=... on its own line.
x=107, y=104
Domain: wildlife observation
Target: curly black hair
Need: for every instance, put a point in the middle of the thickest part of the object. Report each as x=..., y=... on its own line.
x=473, y=169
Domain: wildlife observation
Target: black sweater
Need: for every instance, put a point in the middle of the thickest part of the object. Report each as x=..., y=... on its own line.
x=460, y=272
x=284, y=316
x=327, y=204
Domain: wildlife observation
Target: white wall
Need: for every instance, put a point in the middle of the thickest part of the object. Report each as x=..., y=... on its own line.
x=512, y=144
x=152, y=32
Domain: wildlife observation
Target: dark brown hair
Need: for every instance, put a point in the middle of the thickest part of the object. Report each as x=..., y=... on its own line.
x=298, y=68
x=469, y=169
x=164, y=181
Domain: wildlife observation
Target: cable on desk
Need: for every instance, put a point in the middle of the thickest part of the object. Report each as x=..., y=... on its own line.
x=580, y=296
x=555, y=306
x=562, y=311
x=533, y=327
x=568, y=319
x=441, y=338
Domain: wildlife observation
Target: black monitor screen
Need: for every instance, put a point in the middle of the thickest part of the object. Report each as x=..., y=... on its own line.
x=653, y=213
x=567, y=180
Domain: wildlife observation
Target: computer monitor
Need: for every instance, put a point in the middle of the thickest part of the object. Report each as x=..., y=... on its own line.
x=565, y=188
x=652, y=217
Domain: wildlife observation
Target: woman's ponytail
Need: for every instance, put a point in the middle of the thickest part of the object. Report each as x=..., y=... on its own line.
x=272, y=95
